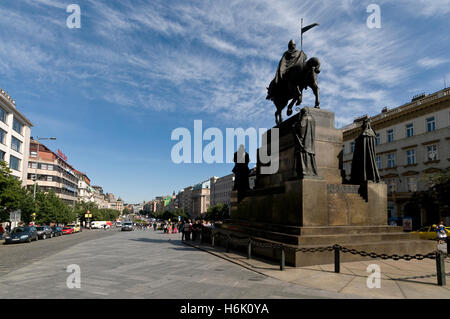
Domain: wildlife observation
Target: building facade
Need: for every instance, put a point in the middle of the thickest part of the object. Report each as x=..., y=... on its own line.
x=15, y=130
x=85, y=191
x=51, y=172
x=413, y=140
x=221, y=189
x=200, y=198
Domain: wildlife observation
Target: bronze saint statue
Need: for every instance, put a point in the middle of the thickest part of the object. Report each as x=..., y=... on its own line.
x=364, y=165
x=304, y=134
x=241, y=172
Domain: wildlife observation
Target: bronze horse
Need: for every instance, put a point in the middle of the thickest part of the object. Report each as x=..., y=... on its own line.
x=298, y=78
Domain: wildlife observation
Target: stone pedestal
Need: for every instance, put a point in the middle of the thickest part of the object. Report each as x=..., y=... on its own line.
x=318, y=211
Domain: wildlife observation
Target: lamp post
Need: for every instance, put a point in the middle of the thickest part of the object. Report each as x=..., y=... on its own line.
x=37, y=159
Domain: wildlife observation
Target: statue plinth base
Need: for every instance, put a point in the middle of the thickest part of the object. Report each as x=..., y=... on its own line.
x=317, y=211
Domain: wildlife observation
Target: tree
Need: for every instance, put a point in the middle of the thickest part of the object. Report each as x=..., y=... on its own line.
x=11, y=192
x=218, y=212
x=435, y=200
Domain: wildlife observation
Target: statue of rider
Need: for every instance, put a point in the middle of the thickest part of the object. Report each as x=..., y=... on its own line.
x=290, y=58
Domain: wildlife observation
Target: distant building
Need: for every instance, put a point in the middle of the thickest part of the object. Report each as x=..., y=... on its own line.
x=412, y=140
x=221, y=189
x=15, y=131
x=200, y=198
x=85, y=191
x=51, y=172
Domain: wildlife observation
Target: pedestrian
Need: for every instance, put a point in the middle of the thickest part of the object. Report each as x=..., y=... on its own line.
x=442, y=233
x=181, y=230
x=2, y=231
x=154, y=226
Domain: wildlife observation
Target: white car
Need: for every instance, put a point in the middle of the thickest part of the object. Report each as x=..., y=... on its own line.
x=99, y=225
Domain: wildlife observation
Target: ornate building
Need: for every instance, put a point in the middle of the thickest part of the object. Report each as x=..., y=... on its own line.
x=413, y=140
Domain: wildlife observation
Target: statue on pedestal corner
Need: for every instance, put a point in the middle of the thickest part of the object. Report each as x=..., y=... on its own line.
x=241, y=172
x=304, y=134
x=364, y=165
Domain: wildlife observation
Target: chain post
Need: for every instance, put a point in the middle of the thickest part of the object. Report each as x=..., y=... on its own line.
x=282, y=259
x=249, y=251
x=337, y=259
x=440, y=268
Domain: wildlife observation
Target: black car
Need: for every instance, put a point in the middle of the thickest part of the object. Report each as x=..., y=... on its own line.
x=57, y=231
x=44, y=232
x=22, y=235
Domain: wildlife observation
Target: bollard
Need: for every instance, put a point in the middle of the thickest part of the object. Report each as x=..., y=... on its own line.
x=212, y=240
x=282, y=259
x=337, y=259
x=440, y=268
x=249, y=251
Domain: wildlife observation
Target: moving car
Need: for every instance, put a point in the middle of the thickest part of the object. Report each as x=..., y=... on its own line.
x=99, y=225
x=22, y=235
x=44, y=232
x=127, y=226
x=57, y=231
x=67, y=230
x=76, y=228
x=429, y=232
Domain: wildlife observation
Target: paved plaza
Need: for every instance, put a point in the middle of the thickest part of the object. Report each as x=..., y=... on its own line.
x=148, y=264
x=145, y=264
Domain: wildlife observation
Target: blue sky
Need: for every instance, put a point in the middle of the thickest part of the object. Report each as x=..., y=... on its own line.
x=113, y=91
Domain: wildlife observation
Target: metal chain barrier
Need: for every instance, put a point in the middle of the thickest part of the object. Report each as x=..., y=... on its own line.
x=439, y=256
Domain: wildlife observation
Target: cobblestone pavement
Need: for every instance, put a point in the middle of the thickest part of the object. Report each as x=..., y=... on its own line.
x=141, y=264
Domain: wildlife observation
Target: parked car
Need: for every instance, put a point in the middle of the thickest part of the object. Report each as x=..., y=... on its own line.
x=57, y=231
x=76, y=228
x=429, y=232
x=44, y=232
x=22, y=235
x=67, y=230
x=119, y=224
x=127, y=226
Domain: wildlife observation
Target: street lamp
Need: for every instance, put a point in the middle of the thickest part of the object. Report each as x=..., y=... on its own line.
x=37, y=159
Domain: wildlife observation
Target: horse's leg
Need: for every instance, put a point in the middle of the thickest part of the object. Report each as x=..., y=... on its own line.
x=289, y=110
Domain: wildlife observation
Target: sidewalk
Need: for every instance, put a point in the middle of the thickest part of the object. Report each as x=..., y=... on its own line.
x=399, y=279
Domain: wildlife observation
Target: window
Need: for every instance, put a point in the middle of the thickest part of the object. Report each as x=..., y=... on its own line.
x=16, y=144
x=33, y=154
x=49, y=178
x=44, y=167
x=431, y=124
x=391, y=160
x=17, y=126
x=2, y=115
x=432, y=153
x=378, y=160
x=352, y=147
x=50, y=167
x=412, y=184
x=2, y=155
x=14, y=163
x=390, y=136
x=343, y=149
x=410, y=130
x=2, y=136
x=378, y=139
x=32, y=165
x=392, y=185
x=411, y=157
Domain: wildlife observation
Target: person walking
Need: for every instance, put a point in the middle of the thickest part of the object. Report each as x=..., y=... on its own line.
x=442, y=233
x=2, y=231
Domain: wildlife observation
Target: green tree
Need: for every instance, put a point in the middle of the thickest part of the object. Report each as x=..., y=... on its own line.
x=11, y=192
x=217, y=212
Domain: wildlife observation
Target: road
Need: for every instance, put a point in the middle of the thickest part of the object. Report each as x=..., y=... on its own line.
x=138, y=264
x=18, y=255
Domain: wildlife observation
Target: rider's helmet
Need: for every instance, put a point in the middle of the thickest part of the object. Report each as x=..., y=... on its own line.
x=291, y=45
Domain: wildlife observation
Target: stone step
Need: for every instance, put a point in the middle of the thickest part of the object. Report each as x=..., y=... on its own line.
x=353, y=238
x=335, y=230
